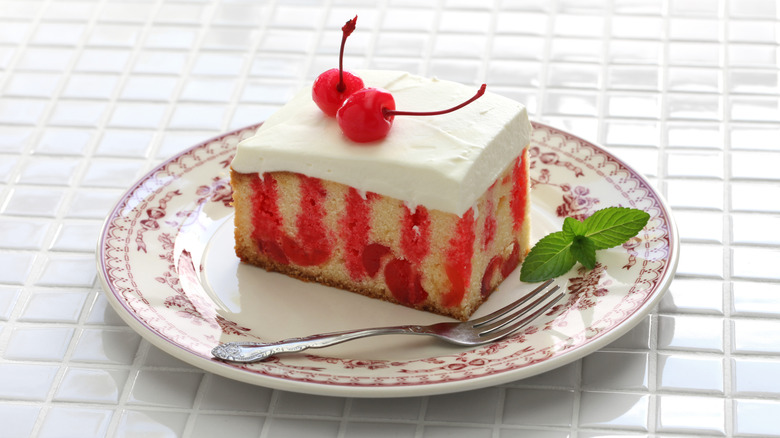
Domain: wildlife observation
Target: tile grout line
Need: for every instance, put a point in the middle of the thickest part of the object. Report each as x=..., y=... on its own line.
x=244, y=76
x=492, y=30
x=344, y=420
x=498, y=417
x=84, y=158
x=374, y=37
x=272, y=403
x=6, y=189
x=602, y=109
x=39, y=259
x=152, y=160
x=653, y=375
x=420, y=426
x=78, y=331
x=544, y=65
x=24, y=156
x=726, y=362
x=432, y=35
x=576, y=399
x=194, y=411
x=311, y=53
x=144, y=346
x=124, y=395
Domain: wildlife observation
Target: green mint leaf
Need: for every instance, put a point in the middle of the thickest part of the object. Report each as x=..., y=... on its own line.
x=572, y=227
x=549, y=258
x=556, y=253
x=613, y=226
x=583, y=249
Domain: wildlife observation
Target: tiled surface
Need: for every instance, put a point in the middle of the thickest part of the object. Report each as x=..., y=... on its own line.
x=95, y=92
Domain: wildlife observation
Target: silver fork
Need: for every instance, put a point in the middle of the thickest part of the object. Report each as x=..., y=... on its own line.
x=489, y=328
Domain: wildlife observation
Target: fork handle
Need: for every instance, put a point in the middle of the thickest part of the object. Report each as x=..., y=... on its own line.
x=245, y=352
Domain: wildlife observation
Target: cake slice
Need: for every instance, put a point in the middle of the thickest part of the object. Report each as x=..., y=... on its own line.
x=434, y=216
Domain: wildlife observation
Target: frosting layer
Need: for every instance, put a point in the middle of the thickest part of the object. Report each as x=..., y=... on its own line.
x=444, y=162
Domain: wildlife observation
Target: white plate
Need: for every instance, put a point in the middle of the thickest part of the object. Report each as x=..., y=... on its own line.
x=167, y=266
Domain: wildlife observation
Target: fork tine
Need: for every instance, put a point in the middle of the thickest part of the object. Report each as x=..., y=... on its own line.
x=509, y=318
x=511, y=325
x=503, y=311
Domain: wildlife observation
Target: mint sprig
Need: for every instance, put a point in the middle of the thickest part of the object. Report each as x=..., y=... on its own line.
x=556, y=253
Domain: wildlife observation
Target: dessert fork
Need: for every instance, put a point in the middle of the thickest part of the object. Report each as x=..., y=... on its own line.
x=489, y=328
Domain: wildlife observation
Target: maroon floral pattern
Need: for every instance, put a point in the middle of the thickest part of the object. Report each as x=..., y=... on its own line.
x=153, y=215
x=584, y=292
x=576, y=202
x=632, y=248
x=218, y=191
x=231, y=328
x=552, y=158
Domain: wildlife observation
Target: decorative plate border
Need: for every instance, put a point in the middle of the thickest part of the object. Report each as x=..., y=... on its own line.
x=152, y=244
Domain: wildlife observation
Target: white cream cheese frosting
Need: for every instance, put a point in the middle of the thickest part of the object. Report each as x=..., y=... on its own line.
x=444, y=162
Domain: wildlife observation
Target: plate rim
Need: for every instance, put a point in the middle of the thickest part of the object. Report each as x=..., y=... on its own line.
x=238, y=373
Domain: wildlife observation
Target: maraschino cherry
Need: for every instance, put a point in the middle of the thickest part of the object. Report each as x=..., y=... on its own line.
x=368, y=114
x=332, y=87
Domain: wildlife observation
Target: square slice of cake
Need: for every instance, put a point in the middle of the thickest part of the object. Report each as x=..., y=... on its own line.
x=434, y=216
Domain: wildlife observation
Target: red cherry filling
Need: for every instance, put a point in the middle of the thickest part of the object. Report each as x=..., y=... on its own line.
x=334, y=85
x=372, y=257
x=405, y=282
x=368, y=114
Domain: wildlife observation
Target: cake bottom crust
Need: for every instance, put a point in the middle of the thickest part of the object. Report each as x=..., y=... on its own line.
x=299, y=274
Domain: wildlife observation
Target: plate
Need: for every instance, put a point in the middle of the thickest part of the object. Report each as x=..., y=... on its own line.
x=166, y=261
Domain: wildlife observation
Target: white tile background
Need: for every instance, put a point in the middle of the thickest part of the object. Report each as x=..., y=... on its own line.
x=93, y=93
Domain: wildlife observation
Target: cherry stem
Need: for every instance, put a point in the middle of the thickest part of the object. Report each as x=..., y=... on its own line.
x=388, y=113
x=346, y=31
